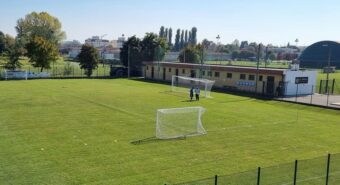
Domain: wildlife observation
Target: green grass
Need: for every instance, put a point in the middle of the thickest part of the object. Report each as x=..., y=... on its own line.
x=79, y=132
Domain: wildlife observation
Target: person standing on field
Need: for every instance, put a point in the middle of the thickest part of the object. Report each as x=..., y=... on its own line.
x=197, y=93
x=191, y=93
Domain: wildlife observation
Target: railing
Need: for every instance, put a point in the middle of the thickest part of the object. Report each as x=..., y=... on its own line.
x=318, y=171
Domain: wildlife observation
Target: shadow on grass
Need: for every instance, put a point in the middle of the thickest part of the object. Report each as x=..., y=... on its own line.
x=154, y=140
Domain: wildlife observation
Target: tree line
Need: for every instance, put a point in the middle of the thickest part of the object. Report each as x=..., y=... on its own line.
x=183, y=38
x=38, y=37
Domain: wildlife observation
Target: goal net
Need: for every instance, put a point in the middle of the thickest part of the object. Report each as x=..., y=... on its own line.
x=184, y=84
x=15, y=74
x=179, y=122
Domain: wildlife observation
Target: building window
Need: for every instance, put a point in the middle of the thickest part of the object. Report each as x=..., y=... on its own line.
x=251, y=77
x=209, y=73
x=217, y=74
x=301, y=80
x=242, y=76
x=169, y=69
x=147, y=67
x=260, y=78
x=229, y=75
x=183, y=71
x=203, y=73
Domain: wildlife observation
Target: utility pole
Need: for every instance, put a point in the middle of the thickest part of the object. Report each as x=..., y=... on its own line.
x=218, y=46
x=128, y=59
x=202, y=53
x=257, y=66
x=266, y=61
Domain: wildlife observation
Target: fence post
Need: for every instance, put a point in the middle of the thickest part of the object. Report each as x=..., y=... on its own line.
x=311, y=96
x=333, y=86
x=258, y=175
x=297, y=91
x=327, y=172
x=216, y=179
x=295, y=171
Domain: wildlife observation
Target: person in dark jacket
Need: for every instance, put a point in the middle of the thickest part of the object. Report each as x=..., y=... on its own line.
x=191, y=93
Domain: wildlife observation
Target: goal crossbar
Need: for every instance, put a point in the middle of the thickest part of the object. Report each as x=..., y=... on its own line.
x=183, y=83
x=179, y=122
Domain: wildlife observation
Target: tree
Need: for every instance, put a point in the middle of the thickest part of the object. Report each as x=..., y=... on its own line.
x=193, y=36
x=131, y=54
x=170, y=37
x=236, y=43
x=246, y=54
x=186, y=38
x=161, y=31
x=41, y=52
x=153, y=47
x=235, y=54
x=14, y=54
x=190, y=54
x=243, y=44
x=2, y=42
x=177, y=40
x=271, y=55
x=166, y=33
x=88, y=59
x=39, y=25
x=182, y=40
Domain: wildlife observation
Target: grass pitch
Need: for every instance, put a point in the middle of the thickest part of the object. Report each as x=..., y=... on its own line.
x=80, y=132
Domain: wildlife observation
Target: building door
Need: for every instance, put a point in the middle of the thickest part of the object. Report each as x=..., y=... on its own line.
x=270, y=85
x=164, y=73
x=152, y=72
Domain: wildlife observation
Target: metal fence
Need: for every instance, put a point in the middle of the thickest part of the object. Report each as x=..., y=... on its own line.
x=323, y=94
x=67, y=71
x=318, y=171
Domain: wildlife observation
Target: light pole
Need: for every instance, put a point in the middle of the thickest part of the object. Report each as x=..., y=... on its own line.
x=328, y=69
x=128, y=59
x=218, y=45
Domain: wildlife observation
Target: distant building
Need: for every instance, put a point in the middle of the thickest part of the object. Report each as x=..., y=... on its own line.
x=97, y=42
x=318, y=54
x=118, y=43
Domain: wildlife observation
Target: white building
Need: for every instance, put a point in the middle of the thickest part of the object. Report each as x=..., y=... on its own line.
x=299, y=82
x=118, y=43
x=97, y=42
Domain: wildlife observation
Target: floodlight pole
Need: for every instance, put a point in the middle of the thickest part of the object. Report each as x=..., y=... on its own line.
x=201, y=68
x=257, y=67
x=328, y=70
x=128, y=59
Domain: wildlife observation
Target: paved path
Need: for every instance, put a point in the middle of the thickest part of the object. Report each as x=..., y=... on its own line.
x=316, y=99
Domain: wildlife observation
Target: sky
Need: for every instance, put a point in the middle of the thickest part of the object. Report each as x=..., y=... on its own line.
x=266, y=21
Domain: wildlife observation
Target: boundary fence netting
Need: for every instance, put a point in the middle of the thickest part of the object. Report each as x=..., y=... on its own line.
x=323, y=170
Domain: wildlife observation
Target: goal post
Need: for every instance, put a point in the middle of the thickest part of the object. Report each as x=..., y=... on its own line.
x=179, y=122
x=184, y=84
x=15, y=74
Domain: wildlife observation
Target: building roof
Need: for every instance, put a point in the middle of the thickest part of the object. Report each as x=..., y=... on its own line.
x=244, y=69
x=317, y=55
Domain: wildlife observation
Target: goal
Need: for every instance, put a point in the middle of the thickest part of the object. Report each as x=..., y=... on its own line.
x=179, y=122
x=15, y=74
x=184, y=84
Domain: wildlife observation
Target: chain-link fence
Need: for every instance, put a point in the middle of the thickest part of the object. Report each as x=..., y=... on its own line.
x=318, y=171
x=325, y=93
x=66, y=71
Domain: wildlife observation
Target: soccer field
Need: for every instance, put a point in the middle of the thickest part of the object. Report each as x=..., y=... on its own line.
x=80, y=132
